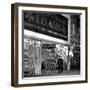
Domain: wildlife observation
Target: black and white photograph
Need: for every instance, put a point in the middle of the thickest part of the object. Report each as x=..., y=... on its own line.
x=49, y=44
x=45, y=57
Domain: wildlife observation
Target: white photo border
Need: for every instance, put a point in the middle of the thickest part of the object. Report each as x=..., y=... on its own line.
x=44, y=79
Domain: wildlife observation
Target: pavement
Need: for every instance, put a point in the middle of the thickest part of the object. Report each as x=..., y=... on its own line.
x=55, y=73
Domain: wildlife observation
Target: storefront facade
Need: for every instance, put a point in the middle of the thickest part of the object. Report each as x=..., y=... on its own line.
x=41, y=55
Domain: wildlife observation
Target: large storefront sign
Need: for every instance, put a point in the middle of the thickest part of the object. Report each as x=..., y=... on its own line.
x=51, y=24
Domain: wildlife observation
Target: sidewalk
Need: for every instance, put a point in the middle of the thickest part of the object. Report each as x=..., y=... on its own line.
x=55, y=73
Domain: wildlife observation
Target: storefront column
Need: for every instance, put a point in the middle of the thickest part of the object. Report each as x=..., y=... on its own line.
x=38, y=60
